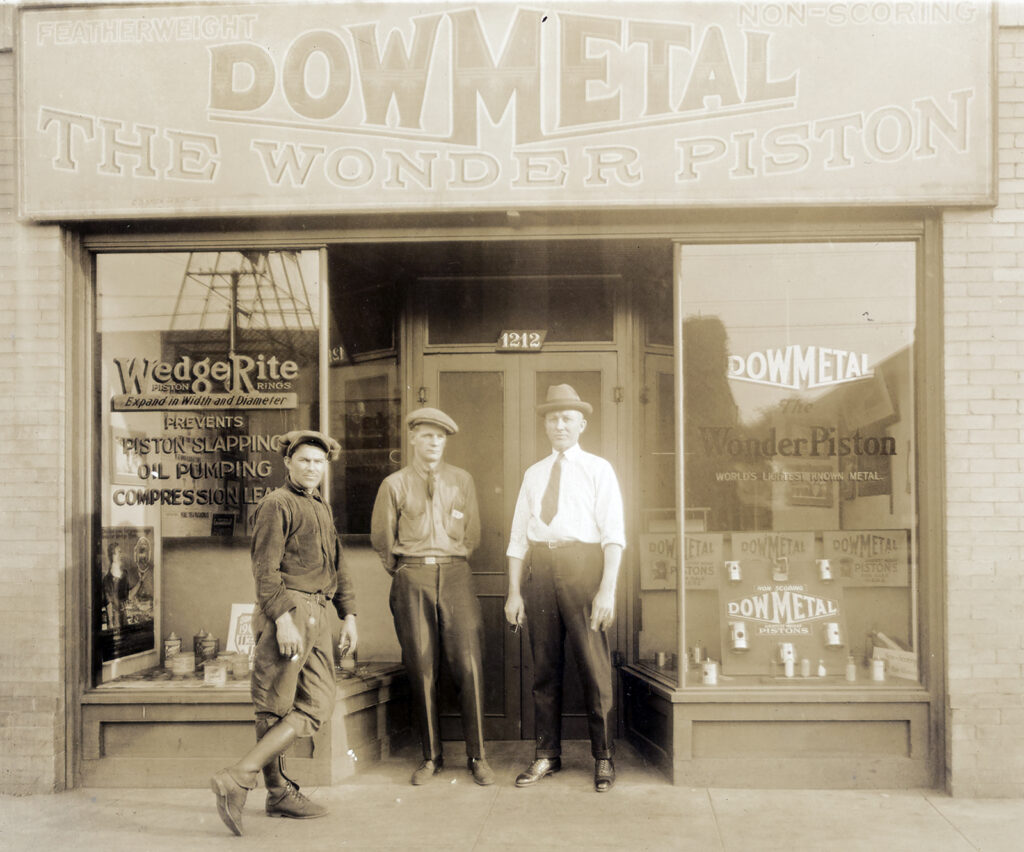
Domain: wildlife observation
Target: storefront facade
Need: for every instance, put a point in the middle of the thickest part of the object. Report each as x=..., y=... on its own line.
x=793, y=304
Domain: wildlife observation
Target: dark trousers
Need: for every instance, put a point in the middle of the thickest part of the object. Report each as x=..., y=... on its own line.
x=435, y=607
x=300, y=692
x=559, y=594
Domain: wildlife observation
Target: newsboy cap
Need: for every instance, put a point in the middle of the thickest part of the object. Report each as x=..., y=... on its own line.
x=291, y=441
x=433, y=416
x=564, y=398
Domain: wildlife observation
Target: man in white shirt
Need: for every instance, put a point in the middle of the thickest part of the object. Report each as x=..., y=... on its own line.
x=568, y=528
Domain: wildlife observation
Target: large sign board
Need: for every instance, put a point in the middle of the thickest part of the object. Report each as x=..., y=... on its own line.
x=145, y=111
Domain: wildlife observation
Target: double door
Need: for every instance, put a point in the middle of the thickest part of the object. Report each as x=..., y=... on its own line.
x=493, y=398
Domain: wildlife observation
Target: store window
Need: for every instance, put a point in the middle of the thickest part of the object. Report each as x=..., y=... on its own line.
x=363, y=387
x=203, y=358
x=799, y=476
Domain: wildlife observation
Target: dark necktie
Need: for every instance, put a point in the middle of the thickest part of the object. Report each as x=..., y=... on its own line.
x=431, y=483
x=549, y=502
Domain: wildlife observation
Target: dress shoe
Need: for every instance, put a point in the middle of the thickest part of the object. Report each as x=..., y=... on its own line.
x=287, y=801
x=482, y=773
x=230, y=799
x=427, y=770
x=538, y=769
x=604, y=774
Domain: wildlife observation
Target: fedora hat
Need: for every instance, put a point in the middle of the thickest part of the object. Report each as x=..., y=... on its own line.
x=564, y=398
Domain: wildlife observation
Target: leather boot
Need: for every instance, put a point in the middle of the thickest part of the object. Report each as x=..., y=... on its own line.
x=283, y=796
x=231, y=794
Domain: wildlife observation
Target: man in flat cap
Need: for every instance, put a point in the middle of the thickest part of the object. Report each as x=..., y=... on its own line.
x=568, y=522
x=425, y=524
x=299, y=570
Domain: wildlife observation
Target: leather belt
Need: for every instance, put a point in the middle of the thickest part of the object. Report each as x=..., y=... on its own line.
x=319, y=597
x=554, y=545
x=428, y=560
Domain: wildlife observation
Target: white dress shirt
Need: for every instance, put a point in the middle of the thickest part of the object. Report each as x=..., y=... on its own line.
x=589, y=504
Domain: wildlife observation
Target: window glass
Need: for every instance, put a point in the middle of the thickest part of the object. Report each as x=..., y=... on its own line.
x=204, y=358
x=799, y=447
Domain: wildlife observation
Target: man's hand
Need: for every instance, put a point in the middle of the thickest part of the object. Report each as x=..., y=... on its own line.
x=289, y=640
x=515, y=609
x=602, y=611
x=349, y=636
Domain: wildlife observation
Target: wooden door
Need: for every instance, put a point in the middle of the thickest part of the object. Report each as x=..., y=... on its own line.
x=493, y=398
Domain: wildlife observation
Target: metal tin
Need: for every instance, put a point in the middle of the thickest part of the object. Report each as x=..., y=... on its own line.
x=208, y=648
x=197, y=642
x=240, y=665
x=877, y=669
x=660, y=658
x=215, y=673
x=172, y=646
x=710, y=673
x=183, y=665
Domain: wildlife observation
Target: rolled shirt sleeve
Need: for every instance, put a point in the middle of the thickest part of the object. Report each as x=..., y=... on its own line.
x=344, y=599
x=384, y=526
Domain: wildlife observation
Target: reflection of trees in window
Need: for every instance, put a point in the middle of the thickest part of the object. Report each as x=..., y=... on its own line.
x=711, y=414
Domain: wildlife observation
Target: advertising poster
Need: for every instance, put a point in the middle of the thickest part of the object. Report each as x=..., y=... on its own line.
x=126, y=585
x=774, y=604
x=868, y=557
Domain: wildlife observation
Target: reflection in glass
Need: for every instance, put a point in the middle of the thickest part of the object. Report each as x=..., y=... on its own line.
x=204, y=358
x=799, y=447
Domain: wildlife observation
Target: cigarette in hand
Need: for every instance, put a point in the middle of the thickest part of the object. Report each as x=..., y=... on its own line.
x=294, y=657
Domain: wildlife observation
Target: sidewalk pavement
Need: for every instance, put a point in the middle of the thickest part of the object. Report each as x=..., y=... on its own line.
x=378, y=809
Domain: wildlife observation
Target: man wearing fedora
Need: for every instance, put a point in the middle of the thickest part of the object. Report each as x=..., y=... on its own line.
x=424, y=526
x=298, y=567
x=568, y=527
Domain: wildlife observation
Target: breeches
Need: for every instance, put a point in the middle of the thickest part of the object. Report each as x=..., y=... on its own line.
x=435, y=608
x=559, y=595
x=300, y=693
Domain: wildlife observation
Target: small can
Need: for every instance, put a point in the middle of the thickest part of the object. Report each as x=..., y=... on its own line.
x=172, y=646
x=851, y=669
x=183, y=665
x=197, y=642
x=209, y=648
x=215, y=673
x=877, y=669
x=710, y=673
x=660, y=658
x=239, y=666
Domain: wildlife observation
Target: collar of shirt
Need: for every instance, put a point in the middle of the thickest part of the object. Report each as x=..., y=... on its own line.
x=424, y=472
x=313, y=493
x=570, y=454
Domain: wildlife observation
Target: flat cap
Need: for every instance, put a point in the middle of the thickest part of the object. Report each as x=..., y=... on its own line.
x=433, y=416
x=564, y=398
x=291, y=441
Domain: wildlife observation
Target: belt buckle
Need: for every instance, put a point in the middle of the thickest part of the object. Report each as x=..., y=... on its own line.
x=552, y=545
x=430, y=560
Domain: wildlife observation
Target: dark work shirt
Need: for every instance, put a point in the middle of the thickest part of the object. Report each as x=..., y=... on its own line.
x=295, y=546
x=407, y=522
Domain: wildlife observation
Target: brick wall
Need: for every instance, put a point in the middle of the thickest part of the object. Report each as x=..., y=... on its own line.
x=984, y=362
x=32, y=552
